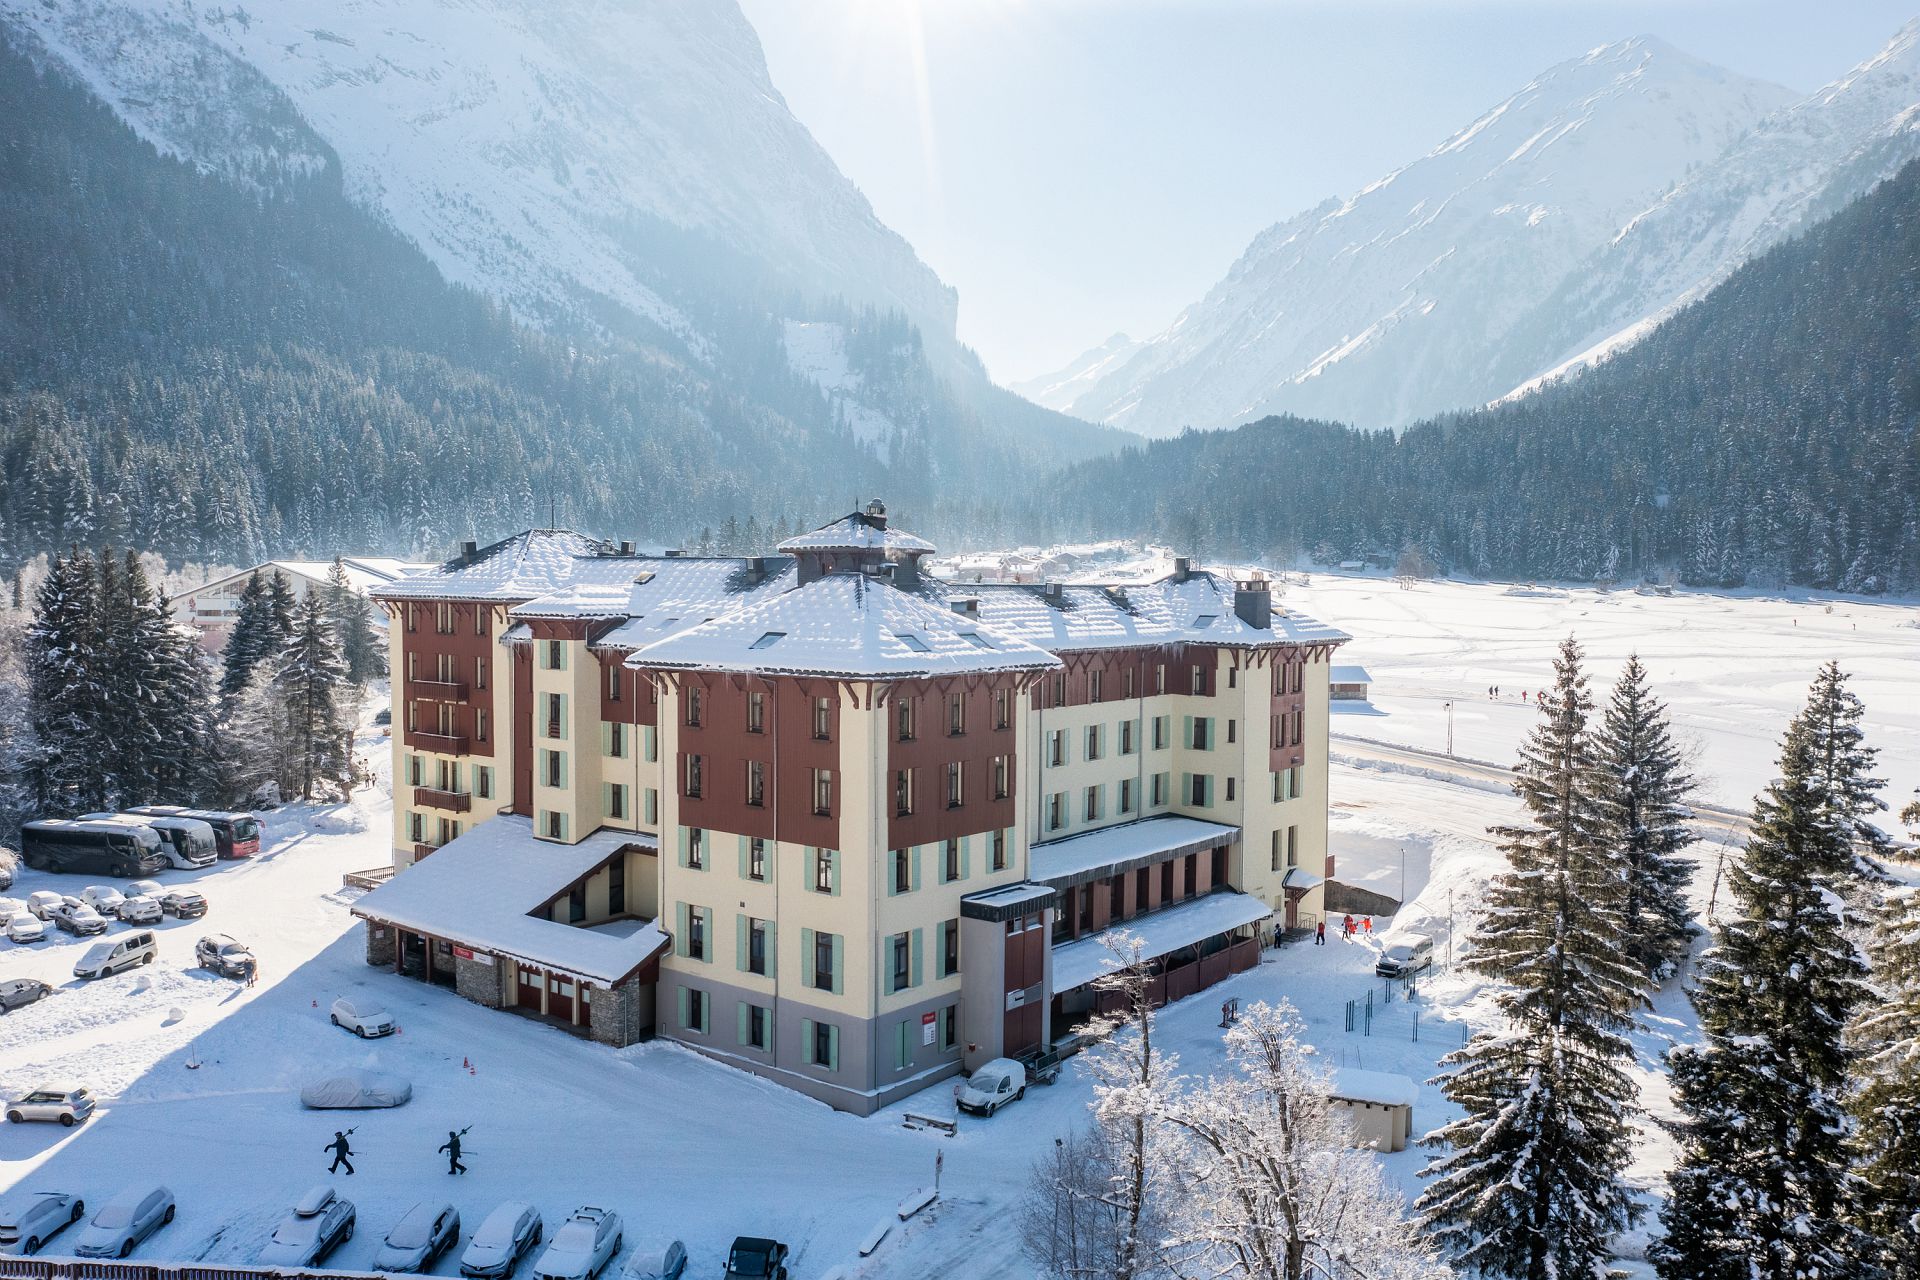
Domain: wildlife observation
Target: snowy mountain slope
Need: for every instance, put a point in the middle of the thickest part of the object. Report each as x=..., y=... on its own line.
x=1059, y=389
x=1797, y=166
x=524, y=145
x=1380, y=308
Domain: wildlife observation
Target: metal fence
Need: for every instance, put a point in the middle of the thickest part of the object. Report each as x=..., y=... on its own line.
x=63, y=1268
x=1391, y=1006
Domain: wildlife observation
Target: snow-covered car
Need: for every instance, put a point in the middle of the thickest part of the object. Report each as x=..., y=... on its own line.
x=120, y=1224
x=67, y=1105
x=15, y=992
x=146, y=889
x=23, y=927
x=103, y=898
x=365, y=1018
x=416, y=1242
x=318, y=1225
x=1404, y=955
x=657, y=1262
x=497, y=1245
x=117, y=955
x=357, y=1091
x=11, y=907
x=582, y=1246
x=76, y=917
x=30, y=1219
x=756, y=1258
x=139, y=909
x=221, y=954
x=992, y=1087
x=184, y=903
x=41, y=903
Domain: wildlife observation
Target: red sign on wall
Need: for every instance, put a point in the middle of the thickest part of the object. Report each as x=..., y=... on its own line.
x=463, y=953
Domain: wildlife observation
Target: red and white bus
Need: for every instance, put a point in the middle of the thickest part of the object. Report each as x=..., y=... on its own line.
x=237, y=835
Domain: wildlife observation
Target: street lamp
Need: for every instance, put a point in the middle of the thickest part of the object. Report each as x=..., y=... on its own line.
x=1449, y=729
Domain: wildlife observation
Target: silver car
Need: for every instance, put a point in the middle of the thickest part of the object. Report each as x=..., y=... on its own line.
x=318, y=1225
x=67, y=1105
x=32, y=1218
x=124, y=1221
x=139, y=910
x=416, y=1242
x=508, y=1234
x=582, y=1246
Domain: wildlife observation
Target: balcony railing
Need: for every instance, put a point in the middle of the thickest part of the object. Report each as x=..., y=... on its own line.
x=453, y=744
x=436, y=798
x=422, y=850
x=440, y=690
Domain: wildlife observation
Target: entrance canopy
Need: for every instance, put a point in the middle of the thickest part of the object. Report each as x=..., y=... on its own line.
x=1111, y=850
x=1162, y=932
x=478, y=890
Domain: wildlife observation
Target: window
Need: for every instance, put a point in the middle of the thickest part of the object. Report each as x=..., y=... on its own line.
x=417, y=828
x=757, y=947
x=696, y=848
x=1233, y=682
x=756, y=858
x=613, y=682
x=1159, y=790
x=756, y=712
x=416, y=776
x=1060, y=689
x=1293, y=846
x=822, y=1047
x=823, y=950
x=1202, y=733
x=901, y=947
x=653, y=806
x=556, y=656
x=1199, y=679
x=768, y=640
x=822, y=719
x=556, y=767
x=756, y=1026
x=480, y=724
x=903, y=715
x=616, y=800
x=1160, y=678
x=902, y=792
x=912, y=641
x=1126, y=796
x=695, y=1016
x=617, y=887
x=1126, y=737
x=1001, y=777
x=950, y=861
x=1126, y=683
x=1093, y=742
x=1199, y=790
x=949, y=948
x=696, y=767
x=1230, y=728
x=697, y=934
x=554, y=704
x=413, y=714
x=1274, y=852
x=902, y=871
x=999, y=851
x=1160, y=732
x=956, y=784
x=1057, y=747
x=1002, y=709
x=756, y=784
x=949, y=1026
x=693, y=705
x=616, y=739
x=1230, y=781
x=443, y=619
x=1056, y=811
x=1093, y=686
x=956, y=714
x=823, y=792
x=1092, y=805
x=556, y=825
x=823, y=871
x=483, y=781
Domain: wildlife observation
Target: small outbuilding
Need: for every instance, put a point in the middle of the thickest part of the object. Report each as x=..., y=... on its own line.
x=1348, y=683
x=1379, y=1104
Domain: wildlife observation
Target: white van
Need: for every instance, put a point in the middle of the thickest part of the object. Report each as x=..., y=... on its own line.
x=992, y=1087
x=1405, y=955
x=128, y=951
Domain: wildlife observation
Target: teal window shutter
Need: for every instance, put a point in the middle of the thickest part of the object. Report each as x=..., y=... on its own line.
x=680, y=928
x=651, y=743
x=886, y=966
x=839, y=966
x=740, y=943
x=681, y=998
x=1210, y=735
x=914, y=869
x=834, y=870
x=806, y=1040
x=806, y=959
x=773, y=950
x=1206, y=790
x=914, y=973
x=1186, y=788
x=1186, y=731
x=706, y=930
x=683, y=845
x=606, y=797
x=743, y=857
x=744, y=1013
x=966, y=856
x=833, y=1047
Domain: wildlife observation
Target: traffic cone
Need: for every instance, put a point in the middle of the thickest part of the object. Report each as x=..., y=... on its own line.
x=465, y=1063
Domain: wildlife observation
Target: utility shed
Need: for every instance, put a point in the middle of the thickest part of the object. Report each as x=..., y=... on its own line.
x=1379, y=1104
x=1348, y=683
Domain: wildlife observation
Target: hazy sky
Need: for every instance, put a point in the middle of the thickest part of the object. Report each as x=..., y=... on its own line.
x=1077, y=167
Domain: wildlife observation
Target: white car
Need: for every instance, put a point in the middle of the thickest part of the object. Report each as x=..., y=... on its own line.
x=67, y=1105
x=11, y=907
x=992, y=1087
x=416, y=1242
x=139, y=909
x=103, y=898
x=146, y=889
x=509, y=1233
x=582, y=1246
x=318, y=1225
x=365, y=1018
x=32, y=1218
x=657, y=1262
x=25, y=928
x=41, y=903
x=1404, y=955
x=124, y=1221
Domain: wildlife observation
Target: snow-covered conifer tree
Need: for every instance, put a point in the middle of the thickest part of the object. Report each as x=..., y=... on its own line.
x=247, y=641
x=1885, y=1099
x=67, y=759
x=311, y=682
x=1762, y=1185
x=360, y=645
x=1643, y=799
x=1531, y=1185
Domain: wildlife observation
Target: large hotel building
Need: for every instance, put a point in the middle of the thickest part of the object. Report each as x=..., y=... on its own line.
x=827, y=817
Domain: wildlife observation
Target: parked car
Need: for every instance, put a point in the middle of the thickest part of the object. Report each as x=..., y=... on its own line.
x=120, y=1224
x=6, y=872
x=103, y=898
x=753, y=1258
x=117, y=955
x=222, y=955
x=992, y=1087
x=146, y=889
x=76, y=917
x=416, y=1242
x=1403, y=956
x=66, y=1104
x=15, y=992
x=41, y=903
x=139, y=909
x=184, y=904
x=365, y=1018
x=11, y=907
x=32, y=1218
x=23, y=927
x=509, y=1233
x=582, y=1246
x=318, y=1225
x=657, y=1262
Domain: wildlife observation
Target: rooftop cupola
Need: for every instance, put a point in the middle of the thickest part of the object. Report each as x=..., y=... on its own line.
x=859, y=542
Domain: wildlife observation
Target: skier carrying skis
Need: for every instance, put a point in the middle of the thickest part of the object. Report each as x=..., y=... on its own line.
x=340, y=1151
x=452, y=1147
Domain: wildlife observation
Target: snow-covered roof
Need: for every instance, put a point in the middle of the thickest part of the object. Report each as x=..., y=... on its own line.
x=1162, y=932
x=683, y=592
x=524, y=567
x=1349, y=674
x=1387, y=1088
x=856, y=532
x=1195, y=610
x=478, y=889
x=364, y=573
x=1109, y=851
x=1296, y=878
x=843, y=624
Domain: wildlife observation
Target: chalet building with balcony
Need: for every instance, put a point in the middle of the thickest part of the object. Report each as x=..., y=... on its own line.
x=829, y=818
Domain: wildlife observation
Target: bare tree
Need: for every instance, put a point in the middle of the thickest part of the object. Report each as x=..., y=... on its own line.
x=1071, y=1223
x=1129, y=1077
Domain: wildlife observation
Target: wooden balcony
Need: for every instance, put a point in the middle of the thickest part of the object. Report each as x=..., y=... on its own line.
x=439, y=690
x=435, y=798
x=422, y=850
x=452, y=744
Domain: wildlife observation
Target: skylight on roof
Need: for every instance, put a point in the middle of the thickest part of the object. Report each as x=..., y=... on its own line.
x=768, y=640
x=912, y=641
x=1204, y=620
x=975, y=639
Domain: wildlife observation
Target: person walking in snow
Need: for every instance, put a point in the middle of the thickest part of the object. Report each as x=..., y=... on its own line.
x=1320, y=934
x=1346, y=927
x=1366, y=926
x=340, y=1151
x=249, y=969
x=452, y=1147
